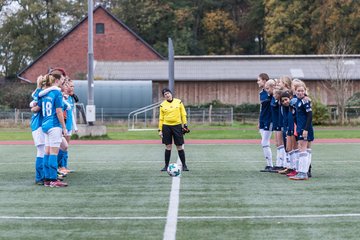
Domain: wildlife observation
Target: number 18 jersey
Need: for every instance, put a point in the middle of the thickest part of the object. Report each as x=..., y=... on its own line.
x=49, y=103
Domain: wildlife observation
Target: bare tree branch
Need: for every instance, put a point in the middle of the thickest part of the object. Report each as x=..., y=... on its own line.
x=338, y=80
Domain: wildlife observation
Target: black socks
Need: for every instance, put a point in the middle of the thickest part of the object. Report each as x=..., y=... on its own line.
x=167, y=157
x=182, y=156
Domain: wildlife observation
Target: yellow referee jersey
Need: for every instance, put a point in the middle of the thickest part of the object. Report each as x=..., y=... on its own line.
x=172, y=113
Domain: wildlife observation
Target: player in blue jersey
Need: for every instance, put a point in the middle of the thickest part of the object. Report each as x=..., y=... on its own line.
x=277, y=120
x=265, y=121
x=70, y=123
x=38, y=134
x=294, y=84
x=53, y=125
x=288, y=128
x=304, y=130
x=284, y=83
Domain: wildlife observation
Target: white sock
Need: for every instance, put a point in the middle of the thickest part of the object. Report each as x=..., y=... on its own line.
x=296, y=154
x=280, y=156
x=283, y=155
x=303, y=162
x=310, y=154
x=292, y=160
x=268, y=155
x=265, y=143
x=287, y=160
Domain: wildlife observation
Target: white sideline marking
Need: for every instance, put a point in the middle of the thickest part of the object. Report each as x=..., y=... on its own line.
x=172, y=214
x=272, y=217
x=186, y=217
x=80, y=218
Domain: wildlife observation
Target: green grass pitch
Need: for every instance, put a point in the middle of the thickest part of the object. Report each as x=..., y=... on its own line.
x=118, y=192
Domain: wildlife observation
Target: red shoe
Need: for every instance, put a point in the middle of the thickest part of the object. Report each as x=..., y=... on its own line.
x=291, y=174
x=63, y=170
x=299, y=176
x=58, y=183
x=47, y=183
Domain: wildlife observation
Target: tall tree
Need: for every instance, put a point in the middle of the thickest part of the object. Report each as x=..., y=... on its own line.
x=335, y=20
x=153, y=20
x=338, y=75
x=32, y=28
x=252, y=27
x=220, y=32
x=287, y=27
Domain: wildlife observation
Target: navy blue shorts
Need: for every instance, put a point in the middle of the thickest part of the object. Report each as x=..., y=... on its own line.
x=309, y=138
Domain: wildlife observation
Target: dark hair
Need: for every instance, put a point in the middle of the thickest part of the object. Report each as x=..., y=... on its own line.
x=264, y=76
x=165, y=90
x=57, y=72
x=286, y=94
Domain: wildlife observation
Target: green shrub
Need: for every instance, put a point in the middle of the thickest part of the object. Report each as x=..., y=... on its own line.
x=354, y=100
x=16, y=94
x=243, y=108
x=320, y=113
x=247, y=108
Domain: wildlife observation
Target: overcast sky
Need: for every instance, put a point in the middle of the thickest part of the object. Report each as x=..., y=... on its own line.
x=7, y=10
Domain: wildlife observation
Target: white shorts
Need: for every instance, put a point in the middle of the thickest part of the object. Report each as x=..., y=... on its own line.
x=53, y=137
x=39, y=137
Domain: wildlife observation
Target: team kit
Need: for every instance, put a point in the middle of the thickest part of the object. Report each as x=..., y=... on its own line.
x=285, y=110
x=52, y=124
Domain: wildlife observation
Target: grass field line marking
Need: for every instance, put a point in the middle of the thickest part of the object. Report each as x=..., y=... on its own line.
x=272, y=217
x=172, y=214
x=80, y=218
x=184, y=217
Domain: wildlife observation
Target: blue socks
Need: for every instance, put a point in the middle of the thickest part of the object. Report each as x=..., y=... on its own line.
x=39, y=169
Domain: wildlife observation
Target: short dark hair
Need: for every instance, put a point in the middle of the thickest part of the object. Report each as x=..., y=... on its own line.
x=165, y=90
x=57, y=71
x=285, y=94
x=264, y=76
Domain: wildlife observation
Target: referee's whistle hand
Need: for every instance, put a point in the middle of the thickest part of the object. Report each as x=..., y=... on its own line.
x=161, y=134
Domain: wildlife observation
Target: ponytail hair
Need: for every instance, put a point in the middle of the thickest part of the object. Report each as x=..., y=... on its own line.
x=49, y=80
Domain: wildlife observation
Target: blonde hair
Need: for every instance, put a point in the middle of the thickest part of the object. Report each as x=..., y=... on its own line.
x=297, y=82
x=270, y=83
x=286, y=80
x=49, y=80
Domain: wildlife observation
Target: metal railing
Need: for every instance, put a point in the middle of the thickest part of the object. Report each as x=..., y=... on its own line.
x=147, y=117
x=133, y=116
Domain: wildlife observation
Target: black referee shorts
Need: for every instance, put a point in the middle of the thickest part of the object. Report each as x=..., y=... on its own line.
x=172, y=132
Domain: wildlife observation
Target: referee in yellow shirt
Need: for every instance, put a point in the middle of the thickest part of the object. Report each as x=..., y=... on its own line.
x=172, y=125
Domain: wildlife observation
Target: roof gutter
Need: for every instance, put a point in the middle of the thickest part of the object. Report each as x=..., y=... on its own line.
x=24, y=79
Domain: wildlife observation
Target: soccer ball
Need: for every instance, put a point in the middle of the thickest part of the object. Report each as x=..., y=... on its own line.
x=174, y=170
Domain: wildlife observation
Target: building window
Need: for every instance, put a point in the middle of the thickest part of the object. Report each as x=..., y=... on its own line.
x=100, y=28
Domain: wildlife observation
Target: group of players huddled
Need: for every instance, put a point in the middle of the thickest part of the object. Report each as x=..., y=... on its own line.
x=286, y=111
x=52, y=123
